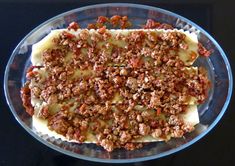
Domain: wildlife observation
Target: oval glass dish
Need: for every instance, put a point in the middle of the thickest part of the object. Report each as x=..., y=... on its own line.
x=210, y=112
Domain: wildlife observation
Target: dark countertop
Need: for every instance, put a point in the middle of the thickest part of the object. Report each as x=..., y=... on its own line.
x=19, y=148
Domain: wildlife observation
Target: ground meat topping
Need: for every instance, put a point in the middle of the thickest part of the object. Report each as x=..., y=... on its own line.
x=144, y=129
x=119, y=92
x=26, y=99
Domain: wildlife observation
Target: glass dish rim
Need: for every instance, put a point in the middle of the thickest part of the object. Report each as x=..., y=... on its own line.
x=166, y=153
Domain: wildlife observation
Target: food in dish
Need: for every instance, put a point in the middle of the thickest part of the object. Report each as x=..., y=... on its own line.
x=115, y=87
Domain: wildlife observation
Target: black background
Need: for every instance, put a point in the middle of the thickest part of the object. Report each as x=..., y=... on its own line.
x=17, y=19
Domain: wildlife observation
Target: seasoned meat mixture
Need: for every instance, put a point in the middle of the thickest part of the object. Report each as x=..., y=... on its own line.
x=119, y=93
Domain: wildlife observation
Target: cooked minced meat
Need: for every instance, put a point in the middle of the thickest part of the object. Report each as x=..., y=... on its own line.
x=146, y=72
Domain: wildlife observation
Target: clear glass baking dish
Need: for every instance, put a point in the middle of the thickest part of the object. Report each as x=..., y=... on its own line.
x=210, y=113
